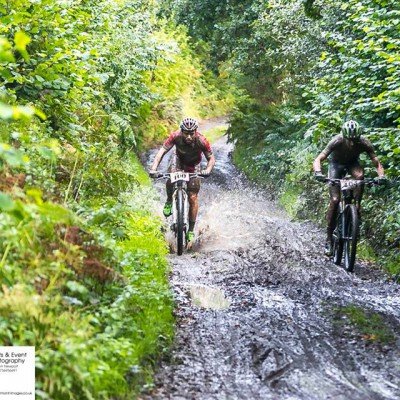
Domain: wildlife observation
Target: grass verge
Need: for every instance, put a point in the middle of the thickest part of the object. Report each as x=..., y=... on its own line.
x=370, y=325
x=214, y=134
x=86, y=284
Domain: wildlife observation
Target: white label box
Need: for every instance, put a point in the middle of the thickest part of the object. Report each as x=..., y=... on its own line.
x=17, y=373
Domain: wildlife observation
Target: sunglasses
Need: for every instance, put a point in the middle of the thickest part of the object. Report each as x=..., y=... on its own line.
x=188, y=133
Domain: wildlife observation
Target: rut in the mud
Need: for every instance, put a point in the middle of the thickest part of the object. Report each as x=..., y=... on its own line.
x=257, y=308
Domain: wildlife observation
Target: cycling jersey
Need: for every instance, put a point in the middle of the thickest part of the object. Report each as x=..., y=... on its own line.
x=189, y=154
x=175, y=164
x=345, y=151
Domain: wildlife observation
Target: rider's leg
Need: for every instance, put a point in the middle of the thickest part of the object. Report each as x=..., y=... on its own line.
x=357, y=172
x=336, y=171
x=173, y=166
x=331, y=215
x=193, y=191
x=167, y=211
x=193, y=209
x=170, y=190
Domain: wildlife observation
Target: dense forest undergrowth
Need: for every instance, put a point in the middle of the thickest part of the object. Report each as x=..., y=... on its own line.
x=304, y=67
x=85, y=86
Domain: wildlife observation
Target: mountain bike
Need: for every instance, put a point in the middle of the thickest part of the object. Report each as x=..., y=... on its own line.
x=347, y=230
x=180, y=205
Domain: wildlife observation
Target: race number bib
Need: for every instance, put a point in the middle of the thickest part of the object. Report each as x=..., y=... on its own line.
x=179, y=176
x=346, y=184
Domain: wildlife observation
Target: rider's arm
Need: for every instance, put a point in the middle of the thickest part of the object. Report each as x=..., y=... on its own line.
x=210, y=164
x=371, y=152
x=166, y=147
x=159, y=156
x=317, y=162
x=325, y=153
x=378, y=166
x=208, y=153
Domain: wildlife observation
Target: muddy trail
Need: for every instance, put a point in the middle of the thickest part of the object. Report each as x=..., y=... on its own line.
x=260, y=310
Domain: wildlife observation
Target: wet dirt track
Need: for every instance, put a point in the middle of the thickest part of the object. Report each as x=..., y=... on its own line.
x=255, y=307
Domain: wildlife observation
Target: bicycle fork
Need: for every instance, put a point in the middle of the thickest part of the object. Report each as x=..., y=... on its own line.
x=185, y=211
x=175, y=210
x=344, y=223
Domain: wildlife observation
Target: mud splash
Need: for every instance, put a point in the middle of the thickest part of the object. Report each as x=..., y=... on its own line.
x=279, y=338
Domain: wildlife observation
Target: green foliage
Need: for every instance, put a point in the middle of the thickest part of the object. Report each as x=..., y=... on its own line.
x=96, y=305
x=263, y=137
x=371, y=325
x=361, y=77
x=392, y=264
x=181, y=85
x=214, y=134
x=261, y=44
x=312, y=10
x=7, y=51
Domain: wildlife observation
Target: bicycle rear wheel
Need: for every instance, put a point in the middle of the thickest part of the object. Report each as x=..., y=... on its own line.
x=180, y=233
x=350, y=236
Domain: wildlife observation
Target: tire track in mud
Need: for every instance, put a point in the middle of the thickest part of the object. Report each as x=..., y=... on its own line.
x=269, y=330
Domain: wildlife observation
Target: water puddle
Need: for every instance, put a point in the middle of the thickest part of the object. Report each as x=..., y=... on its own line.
x=208, y=297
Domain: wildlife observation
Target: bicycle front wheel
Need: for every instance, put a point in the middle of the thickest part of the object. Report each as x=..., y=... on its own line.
x=337, y=247
x=338, y=240
x=350, y=237
x=180, y=232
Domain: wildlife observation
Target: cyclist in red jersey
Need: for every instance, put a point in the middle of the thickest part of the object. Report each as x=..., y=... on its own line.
x=190, y=145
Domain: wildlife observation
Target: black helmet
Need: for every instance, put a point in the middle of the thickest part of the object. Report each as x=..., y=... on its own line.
x=189, y=124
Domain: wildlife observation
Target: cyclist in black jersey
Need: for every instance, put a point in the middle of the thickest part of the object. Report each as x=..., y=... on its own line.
x=344, y=151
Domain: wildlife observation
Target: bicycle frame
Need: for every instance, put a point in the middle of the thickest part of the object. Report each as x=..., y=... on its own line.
x=346, y=232
x=346, y=199
x=180, y=219
x=347, y=187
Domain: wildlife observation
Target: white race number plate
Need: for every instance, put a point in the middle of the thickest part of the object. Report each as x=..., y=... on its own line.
x=348, y=183
x=179, y=176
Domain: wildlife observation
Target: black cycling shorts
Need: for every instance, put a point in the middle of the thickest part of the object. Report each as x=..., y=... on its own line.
x=339, y=171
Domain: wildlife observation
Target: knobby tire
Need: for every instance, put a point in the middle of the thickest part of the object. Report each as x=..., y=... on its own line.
x=180, y=234
x=338, y=241
x=351, y=237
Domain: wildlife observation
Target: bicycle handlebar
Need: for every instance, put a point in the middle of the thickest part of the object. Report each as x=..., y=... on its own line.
x=161, y=175
x=358, y=182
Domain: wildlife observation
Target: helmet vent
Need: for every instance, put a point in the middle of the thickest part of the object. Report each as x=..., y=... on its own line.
x=189, y=124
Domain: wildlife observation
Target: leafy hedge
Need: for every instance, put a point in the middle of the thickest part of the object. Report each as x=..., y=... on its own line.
x=89, y=292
